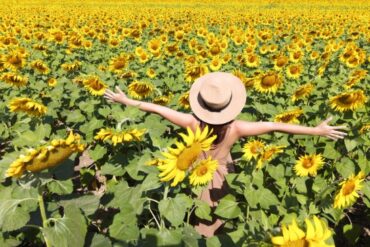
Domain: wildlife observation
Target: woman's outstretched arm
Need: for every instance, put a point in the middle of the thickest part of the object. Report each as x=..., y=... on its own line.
x=178, y=118
x=244, y=128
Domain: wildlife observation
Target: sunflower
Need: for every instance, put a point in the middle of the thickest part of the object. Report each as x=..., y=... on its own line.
x=180, y=159
x=280, y=62
x=215, y=63
x=94, y=85
x=118, y=64
x=155, y=162
x=289, y=116
x=317, y=234
x=27, y=105
x=194, y=71
x=184, y=100
x=347, y=194
x=268, y=153
x=296, y=55
x=253, y=149
x=14, y=79
x=139, y=89
x=302, y=92
x=248, y=82
x=163, y=99
x=154, y=47
x=15, y=59
x=144, y=57
x=294, y=71
x=268, y=82
x=348, y=100
x=52, y=82
x=364, y=128
x=151, y=73
x=252, y=60
x=69, y=67
x=308, y=164
x=45, y=157
x=40, y=66
x=120, y=136
x=203, y=172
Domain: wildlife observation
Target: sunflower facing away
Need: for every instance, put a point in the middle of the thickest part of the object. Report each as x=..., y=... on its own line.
x=180, y=159
x=45, y=157
x=308, y=165
x=28, y=106
x=317, y=234
x=348, y=100
x=14, y=79
x=347, y=194
x=120, y=136
x=267, y=154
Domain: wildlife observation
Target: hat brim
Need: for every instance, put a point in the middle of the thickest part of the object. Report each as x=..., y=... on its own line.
x=238, y=94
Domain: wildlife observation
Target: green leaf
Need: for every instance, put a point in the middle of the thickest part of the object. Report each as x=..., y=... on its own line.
x=124, y=226
x=352, y=232
x=346, y=167
x=203, y=210
x=110, y=169
x=98, y=152
x=151, y=182
x=251, y=196
x=174, y=209
x=350, y=144
x=228, y=207
x=60, y=187
x=190, y=236
x=12, y=215
x=87, y=203
x=75, y=117
x=67, y=231
x=267, y=198
x=100, y=241
x=330, y=152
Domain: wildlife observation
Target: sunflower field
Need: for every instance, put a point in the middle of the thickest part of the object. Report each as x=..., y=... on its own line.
x=76, y=170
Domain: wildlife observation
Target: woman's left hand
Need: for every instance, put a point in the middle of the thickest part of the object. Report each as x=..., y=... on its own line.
x=323, y=129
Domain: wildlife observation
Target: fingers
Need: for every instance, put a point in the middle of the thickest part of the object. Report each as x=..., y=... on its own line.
x=118, y=89
x=328, y=136
x=339, y=127
x=339, y=133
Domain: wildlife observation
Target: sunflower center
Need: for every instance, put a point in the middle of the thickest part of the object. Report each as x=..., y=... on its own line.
x=269, y=80
x=202, y=170
x=294, y=70
x=297, y=243
x=348, y=99
x=348, y=188
x=119, y=64
x=188, y=156
x=307, y=163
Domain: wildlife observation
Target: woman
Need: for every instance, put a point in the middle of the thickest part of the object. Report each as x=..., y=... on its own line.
x=216, y=99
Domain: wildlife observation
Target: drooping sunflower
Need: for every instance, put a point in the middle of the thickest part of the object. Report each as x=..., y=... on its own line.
x=364, y=128
x=248, y=82
x=348, y=101
x=267, y=154
x=119, y=63
x=163, y=99
x=70, y=67
x=308, y=165
x=14, y=79
x=289, y=116
x=180, y=159
x=184, y=100
x=269, y=82
x=302, y=92
x=40, y=66
x=140, y=89
x=317, y=234
x=27, y=105
x=45, y=157
x=193, y=71
x=253, y=149
x=347, y=194
x=120, y=136
x=94, y=85
x=203, y=172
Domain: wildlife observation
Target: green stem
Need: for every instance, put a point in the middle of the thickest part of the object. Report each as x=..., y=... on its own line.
x=43, y=215
x=165, y=193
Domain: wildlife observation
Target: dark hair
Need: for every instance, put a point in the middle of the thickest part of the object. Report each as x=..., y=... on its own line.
x=218, y=129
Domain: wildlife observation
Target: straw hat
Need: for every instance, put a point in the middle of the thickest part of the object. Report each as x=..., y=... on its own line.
x=217, y=97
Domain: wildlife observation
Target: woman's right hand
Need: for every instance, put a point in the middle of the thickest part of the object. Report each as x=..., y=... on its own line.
x=112, y=97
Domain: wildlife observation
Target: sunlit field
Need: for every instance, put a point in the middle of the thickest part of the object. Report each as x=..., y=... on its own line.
x=76, y=170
